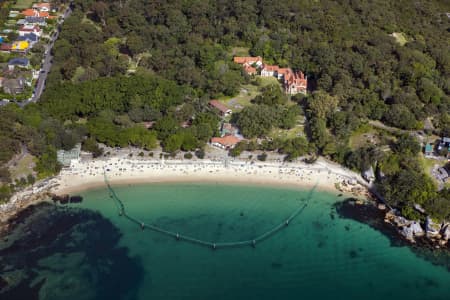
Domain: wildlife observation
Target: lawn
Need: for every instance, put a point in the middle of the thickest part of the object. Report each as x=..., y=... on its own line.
x=23, y=167
x=363, y=136
x=239, y=51
x=286, y=134
x=246, y=94
x=23, y=4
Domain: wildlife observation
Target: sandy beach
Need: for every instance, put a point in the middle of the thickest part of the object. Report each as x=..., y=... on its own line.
x=90, y=173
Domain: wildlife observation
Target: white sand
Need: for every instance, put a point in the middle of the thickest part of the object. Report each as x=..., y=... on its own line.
x=90, y=174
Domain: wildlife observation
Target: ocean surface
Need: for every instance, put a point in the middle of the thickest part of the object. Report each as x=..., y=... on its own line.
x=88, y=251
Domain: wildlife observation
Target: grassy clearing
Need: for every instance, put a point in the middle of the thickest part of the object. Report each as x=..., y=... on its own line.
x=363, y=136
x=78, y=73
x=428, y=164
x=286, y=134
x=246, y=94
x=240, y=51
x=23, y=4
x=400, y=37
x=23, y=167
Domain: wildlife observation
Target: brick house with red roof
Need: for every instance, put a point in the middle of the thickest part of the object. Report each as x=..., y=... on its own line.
x=293, y=82
x=223, y=110
x=226, y=142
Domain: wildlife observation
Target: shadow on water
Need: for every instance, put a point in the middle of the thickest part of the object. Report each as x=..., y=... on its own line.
x=372, y=216
x=55, y=252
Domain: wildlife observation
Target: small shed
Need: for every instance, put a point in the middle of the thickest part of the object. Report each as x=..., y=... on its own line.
x=428, y=149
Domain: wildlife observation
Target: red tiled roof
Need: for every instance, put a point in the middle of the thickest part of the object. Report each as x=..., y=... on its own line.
x=285, y=71
x=34, y=13
x=246, y=59
x=219, y=106
x=227, y=141
x=270, y=68
x=249, y=69
x=29, y=28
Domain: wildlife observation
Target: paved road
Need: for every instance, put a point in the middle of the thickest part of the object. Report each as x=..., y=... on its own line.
x=47, y=64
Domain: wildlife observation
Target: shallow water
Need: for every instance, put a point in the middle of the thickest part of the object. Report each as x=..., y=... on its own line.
x=87, y=251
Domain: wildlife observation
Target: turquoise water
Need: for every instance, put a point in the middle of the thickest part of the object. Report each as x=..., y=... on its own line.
x=318, y=256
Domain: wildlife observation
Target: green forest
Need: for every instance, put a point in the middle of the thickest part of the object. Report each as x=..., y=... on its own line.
x=118, y=64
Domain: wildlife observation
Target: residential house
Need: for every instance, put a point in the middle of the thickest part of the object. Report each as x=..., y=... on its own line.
x=283, y=73
x=242, y=60
x=27, y=29
x=249, y=63
x=269, y=71
x=444, y=144
x=295, y=83
x=14, y=86
x=5, y=47
x=223, y=110
x=250, y=70
x=41, y=7
x=35, y=13
x=226, y=142
x=35, y=21
x=31, y=38
x=20, y=46
x=428, y=149
x=20, y=62
x=13, y=14
x=21, y=22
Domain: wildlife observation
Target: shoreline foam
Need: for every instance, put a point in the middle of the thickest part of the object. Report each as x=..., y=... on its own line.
x=89, y=174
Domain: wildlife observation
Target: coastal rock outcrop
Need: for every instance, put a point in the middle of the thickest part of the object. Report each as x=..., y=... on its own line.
x=446, y=232
x=432, y=229
x=412, y=230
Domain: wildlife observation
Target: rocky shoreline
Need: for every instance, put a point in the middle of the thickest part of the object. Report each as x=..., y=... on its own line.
x=413, y=231
x=431, y=243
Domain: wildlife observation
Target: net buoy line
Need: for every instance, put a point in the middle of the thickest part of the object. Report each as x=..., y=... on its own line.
x=213, y=245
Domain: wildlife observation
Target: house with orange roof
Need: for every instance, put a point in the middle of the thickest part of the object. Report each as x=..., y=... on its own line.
x=226, y=142
x=250, y=70
x=223, y=110
x=269, y=71
x=296, y=83
x=293, y=82
x=35, y=13
x=284, y=73
x=248, y=60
